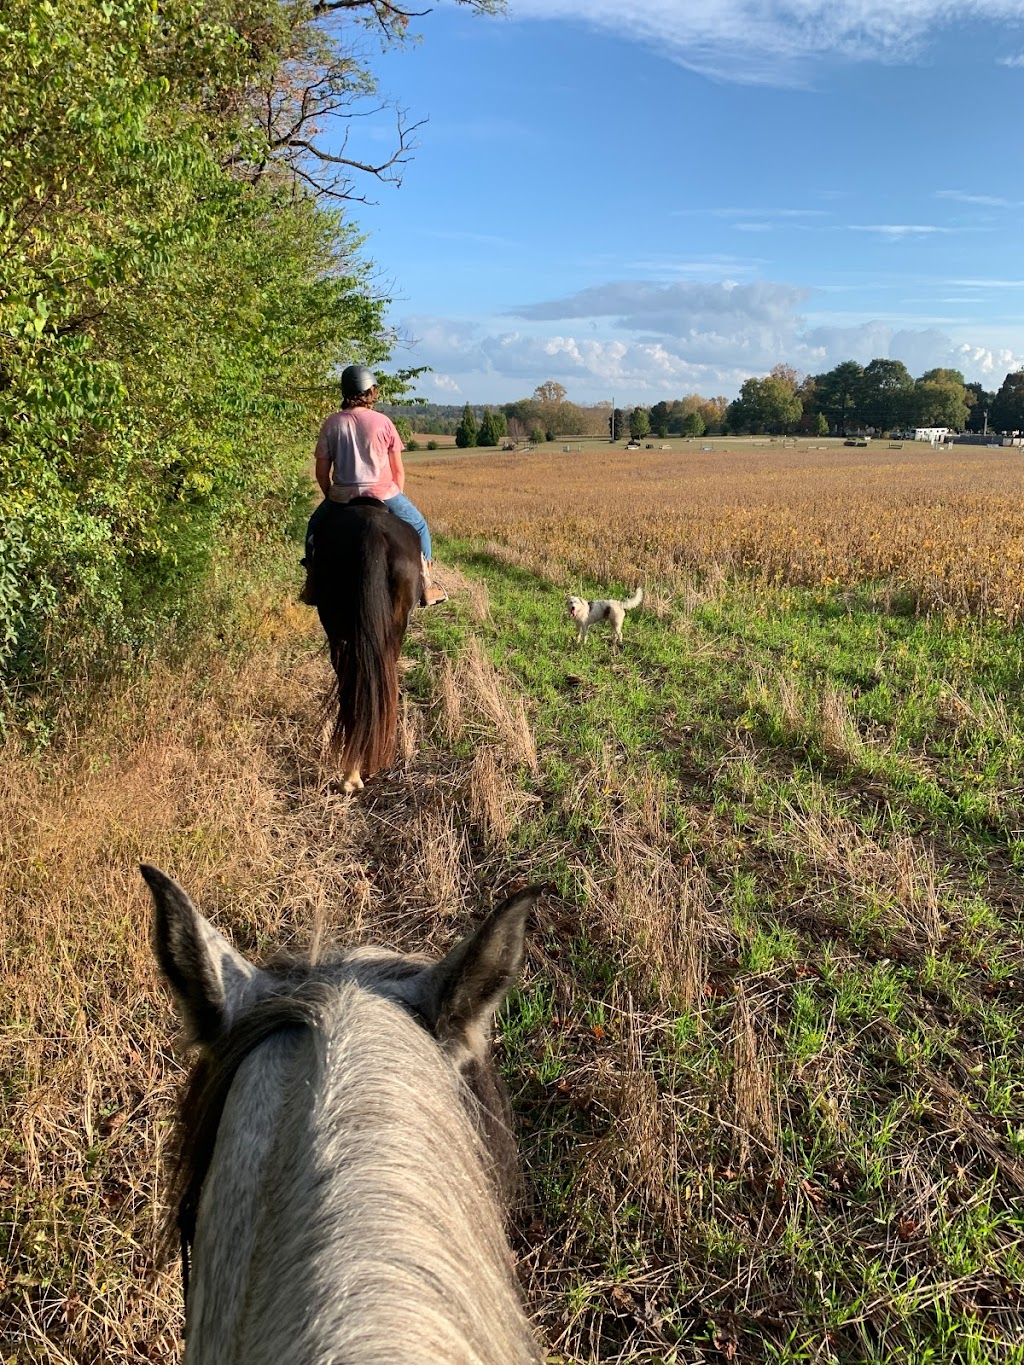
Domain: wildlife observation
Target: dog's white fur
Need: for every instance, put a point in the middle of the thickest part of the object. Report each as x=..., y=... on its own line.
x=587, y=614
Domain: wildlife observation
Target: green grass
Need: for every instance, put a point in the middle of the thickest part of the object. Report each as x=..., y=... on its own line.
x=816, y=1159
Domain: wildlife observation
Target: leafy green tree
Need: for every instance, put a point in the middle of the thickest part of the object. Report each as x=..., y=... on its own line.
x=404, y=428
x=765, y=405
x=838, y=393
x=616, y=421
x=660, y=415
x=940, y=400
x=639, y=423
x=819, y=424
x=980, y=401
x=537, y=436
x=693, y=424
x=886, y=394
x=466, y=431
x=493, y=428
x=1007, y=411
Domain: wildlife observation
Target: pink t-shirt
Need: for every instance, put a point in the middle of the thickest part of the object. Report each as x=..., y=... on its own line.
x=365, y=452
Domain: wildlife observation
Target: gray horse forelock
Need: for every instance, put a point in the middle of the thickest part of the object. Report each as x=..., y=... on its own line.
x=347, y=1212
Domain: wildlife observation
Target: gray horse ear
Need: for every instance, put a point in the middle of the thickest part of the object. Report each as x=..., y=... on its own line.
x=464, y=989
x=205, y=973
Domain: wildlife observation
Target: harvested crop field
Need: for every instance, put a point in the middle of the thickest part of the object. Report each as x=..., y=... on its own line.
x=942, y=525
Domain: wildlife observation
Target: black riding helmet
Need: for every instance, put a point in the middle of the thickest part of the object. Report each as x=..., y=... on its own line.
x=356, y=380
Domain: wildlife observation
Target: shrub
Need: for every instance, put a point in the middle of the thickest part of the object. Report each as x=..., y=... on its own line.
x=433, y=445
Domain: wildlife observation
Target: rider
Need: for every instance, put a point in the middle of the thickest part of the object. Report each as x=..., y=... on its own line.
x=359, y=454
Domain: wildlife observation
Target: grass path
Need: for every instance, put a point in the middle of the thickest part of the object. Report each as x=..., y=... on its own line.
x=766, y=1060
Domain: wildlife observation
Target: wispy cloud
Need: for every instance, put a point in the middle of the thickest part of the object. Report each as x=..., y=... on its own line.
x=896, y=231
x=987, y=284
x=1016, y=60
x=988, y=201
x=774, y=42
x=751, y=213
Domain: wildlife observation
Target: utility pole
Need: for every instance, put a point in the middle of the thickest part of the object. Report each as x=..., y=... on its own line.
x=984, y=431
x=611, y=423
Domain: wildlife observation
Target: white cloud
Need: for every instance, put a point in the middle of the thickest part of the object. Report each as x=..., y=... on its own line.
x=989, y=201
x=644, y=340
x=772, y=42
x=896, y=231
x=1016, y=60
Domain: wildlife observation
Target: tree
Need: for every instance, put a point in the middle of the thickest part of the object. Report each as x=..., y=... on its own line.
x=837, y=394
x=1007, y=411
x=466, y=431
x=639, y=423
x=404, y=428
x=767, y=405
x=616, y=421
x=493, y=428
x=819, y=424
x=660, y=414
x=693, y=424
x=886, y=394
x=980, y=401
x=939, y=401
x=549, y=394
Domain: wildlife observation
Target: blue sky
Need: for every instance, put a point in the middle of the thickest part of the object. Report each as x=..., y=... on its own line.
x=646, y=198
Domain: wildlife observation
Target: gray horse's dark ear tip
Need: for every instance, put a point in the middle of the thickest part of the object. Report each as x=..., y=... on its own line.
x=152, y=876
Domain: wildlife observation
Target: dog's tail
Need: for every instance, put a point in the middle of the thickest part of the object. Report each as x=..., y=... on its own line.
x=635, y=600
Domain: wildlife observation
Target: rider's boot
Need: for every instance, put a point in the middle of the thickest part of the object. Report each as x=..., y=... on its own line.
x=433, y=595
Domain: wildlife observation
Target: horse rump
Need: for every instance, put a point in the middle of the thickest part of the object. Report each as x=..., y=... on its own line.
x=368, y=580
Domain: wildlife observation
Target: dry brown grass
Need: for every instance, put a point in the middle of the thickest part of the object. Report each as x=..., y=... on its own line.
x=942, y=525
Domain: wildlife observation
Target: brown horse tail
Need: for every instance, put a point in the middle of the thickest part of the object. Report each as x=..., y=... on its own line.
x=364, y=651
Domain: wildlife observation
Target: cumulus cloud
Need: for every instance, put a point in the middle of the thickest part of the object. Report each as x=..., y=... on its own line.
x=773, y=41
x=643, y=340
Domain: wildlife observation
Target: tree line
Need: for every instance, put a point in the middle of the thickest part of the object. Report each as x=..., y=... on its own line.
x=179, y=283
x=881, y=396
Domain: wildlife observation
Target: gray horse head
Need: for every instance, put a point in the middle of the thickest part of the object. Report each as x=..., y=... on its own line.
x=344, y=1149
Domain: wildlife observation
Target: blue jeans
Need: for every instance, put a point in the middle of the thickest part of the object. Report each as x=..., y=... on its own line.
x=401, y=507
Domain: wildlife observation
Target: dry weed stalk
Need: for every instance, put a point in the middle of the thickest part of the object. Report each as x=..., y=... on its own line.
x=753, y=1087
x=497, y=709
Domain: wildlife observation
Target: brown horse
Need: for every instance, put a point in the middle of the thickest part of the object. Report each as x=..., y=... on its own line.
x=368, y=579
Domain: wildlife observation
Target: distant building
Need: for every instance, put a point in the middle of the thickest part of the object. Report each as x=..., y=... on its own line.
x=932, y=434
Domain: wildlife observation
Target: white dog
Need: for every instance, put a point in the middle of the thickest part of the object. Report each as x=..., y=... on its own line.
x=587, y=614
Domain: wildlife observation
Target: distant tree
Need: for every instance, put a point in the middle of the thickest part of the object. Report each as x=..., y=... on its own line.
x=432, y=445
x=616, y=421
x=404, y=428
x=660, y=414
x=537, y=436
x=980, y=401
x=940, y=400
x=819, y=424
x=639, y=423
x=412, y=443
x=493, y=427
x=767, y=405
x=466, y=431
x=550, y=393
x=694, y=424
x=1007, y=410
x=886, y=394
x=837, y=394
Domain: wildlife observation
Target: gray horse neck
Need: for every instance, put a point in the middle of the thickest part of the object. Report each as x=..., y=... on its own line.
x=347, y=1215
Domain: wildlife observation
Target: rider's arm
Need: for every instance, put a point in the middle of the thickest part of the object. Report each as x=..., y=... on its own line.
x=397, y=467
x=323, y=462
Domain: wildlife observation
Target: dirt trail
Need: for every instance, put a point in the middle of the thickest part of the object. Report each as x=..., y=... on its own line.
x=211, y=771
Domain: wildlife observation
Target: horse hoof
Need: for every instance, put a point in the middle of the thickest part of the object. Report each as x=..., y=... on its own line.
x=352, y=783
